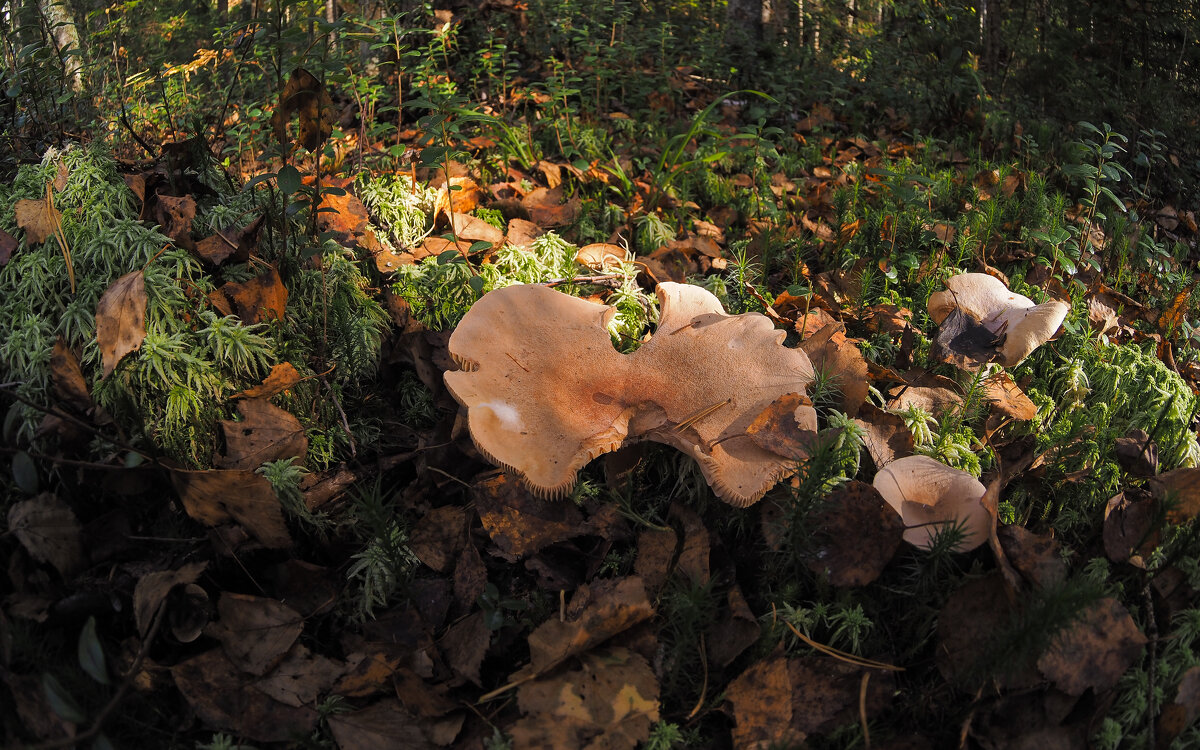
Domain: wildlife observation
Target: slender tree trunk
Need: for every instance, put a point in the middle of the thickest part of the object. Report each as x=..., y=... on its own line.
x=66, y=40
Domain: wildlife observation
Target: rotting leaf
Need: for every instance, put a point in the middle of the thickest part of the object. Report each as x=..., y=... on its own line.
x=611, y=702
x=282, y=377
x=761, y=702
x=8, y=244
x=736, y=631
x=67, y=377
x=39, y=219
x=1131, y=529
x=600, y=611
x=963, y=645
x=827, y=693
x=655, y=554
x=175, y=217
x=219, y=496
x=1182, y=488
x=1095, y=650
x=152, y=590
x=465, y=644
x=48, y=529
x=265, y=433
x=438, y=537
x=858, y=532
x=965, y=342
x=260, y=299
x=301, y=678
x=385, y=725
x=256, y=632
x=1035, y=556
x=223, y=698
x=307, y=97
x=519, y=522
x=1180, y=713
x=121, y=319
x=693, y=555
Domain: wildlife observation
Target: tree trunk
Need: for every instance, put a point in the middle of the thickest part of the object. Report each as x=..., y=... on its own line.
x=66, y=40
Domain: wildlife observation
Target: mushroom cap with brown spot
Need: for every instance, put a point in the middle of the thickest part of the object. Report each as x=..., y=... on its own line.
x=1026, y=325
x=546, y=392
x=928, y=494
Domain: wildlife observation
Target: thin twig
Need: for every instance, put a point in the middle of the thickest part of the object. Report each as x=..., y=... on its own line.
x=73, y=420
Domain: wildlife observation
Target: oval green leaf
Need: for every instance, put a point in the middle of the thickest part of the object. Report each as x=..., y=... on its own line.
x=91, y=653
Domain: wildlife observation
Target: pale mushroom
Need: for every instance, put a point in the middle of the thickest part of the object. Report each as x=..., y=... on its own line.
x=928, y=495
x=1024, y=325
x=546, y=392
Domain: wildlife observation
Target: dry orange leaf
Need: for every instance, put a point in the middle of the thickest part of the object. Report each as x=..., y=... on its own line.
x=832, y=352
x=596, y=613
x=1006, y=397
x=305, y=96
x=259, y=299
x=121, y=319
x=39, y=219
x=282, y=377
x=520, y=523
x=1172, y=317
x=152, y=590
x=472, y=229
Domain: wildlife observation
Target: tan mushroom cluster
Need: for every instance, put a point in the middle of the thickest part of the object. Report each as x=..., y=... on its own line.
x=546, y=392
x=1023, y=325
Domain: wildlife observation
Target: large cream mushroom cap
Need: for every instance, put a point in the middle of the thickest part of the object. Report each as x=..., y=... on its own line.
x=929, y=494
x=1025, y=325
x=546, y=392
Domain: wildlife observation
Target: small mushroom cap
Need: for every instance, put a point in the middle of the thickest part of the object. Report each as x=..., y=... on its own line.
x=1026, y=325
x=546, y=392
x=928, y=494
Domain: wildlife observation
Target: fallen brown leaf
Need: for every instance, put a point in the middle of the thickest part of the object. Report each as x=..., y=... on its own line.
x=152, y=590
x=49, y=531
x=1094, y=651
x=265, y=433
x=256, y=632
x=67, y=377
x=121, y=319
x=282, y=377
x=858, y=534
x=221, y=496
x=438, y=537
x=8, y=244
x=39, y=219
x=301, y=678
x=519, y=522
x=306, y=96
x=385, y=725
x=760, y=699
x=175, y=216
x=611, y=702
x=259, y=299
x=597, y=612
x=832, y=352
x=223, y=698
x=1181, y=488
x=1006, y=397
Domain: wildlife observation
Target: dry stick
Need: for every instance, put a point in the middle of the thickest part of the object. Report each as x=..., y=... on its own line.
x=68, y=461
x=862, y=709
x=345, y=422
x=704, y=685
x=858, y=661
x=126, y=683
x=7, y=388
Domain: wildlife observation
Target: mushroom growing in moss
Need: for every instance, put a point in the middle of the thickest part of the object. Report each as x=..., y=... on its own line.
x=546, y=392
x=928, y=495
x=1020, y=325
